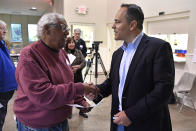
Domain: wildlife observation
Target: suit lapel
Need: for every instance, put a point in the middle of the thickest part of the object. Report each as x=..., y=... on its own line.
x=143, y=44
x=118, y=61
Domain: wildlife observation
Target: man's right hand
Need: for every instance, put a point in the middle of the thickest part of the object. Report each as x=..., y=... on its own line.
x=90, y=91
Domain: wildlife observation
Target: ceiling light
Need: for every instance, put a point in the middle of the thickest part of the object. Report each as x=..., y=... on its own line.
x=33, y=8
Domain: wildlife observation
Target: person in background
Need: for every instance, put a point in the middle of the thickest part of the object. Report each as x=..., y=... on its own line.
x=80, y=43
x=46, y=82
x=141, y=76
x=7, y=75
x=77, y=65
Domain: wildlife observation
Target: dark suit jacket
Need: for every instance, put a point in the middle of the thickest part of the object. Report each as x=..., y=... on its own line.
x=148, y=85
x=81, y=45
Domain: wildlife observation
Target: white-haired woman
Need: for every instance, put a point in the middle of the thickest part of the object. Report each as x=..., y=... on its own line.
x=45, y=82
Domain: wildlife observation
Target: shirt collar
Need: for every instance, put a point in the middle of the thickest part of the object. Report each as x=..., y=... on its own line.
x=2, y=42
x=133, y=44
x=57, y=51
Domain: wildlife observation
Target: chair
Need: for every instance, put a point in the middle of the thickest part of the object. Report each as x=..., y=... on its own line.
x=186, y=89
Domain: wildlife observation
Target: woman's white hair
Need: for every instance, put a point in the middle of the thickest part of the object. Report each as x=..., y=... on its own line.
x=50, y=18
x=2, y=23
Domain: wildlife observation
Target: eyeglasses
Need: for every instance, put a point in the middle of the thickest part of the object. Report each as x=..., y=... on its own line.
x=63, y=27
x=3, y=29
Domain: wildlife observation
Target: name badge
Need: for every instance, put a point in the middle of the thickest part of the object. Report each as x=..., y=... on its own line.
x=81, y=46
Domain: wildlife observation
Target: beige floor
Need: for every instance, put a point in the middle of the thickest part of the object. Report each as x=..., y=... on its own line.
x=99, y=118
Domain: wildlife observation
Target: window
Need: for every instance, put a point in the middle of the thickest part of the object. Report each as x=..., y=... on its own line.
x=178, y=43
x=16, y=33
x=32, y=32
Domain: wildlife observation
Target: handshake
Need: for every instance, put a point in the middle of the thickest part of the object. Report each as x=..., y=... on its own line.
x=90, y=91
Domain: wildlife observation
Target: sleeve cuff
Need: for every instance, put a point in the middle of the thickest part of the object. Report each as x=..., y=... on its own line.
x=79, y=88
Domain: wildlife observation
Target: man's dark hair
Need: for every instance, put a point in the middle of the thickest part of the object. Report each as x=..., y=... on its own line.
x=134, y=12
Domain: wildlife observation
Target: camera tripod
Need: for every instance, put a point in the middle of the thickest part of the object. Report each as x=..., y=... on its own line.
x=97, y=57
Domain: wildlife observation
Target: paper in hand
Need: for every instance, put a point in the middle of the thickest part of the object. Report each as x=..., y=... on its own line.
x=80, y=106
x=1, y=105
x=71, y=58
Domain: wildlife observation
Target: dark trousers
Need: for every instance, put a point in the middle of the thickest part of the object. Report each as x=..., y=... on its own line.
x=4, y=98
x=172, y=99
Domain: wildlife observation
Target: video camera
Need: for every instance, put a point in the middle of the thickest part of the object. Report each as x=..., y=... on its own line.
x=95, y=45
x=95, y=54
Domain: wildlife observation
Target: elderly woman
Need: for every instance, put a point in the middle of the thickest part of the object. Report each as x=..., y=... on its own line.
x=45, y=82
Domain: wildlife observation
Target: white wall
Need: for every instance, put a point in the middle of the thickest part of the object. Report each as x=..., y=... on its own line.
x=97, y=15
x=169, y=26
x=58, y=6
x=152, y=7
x=112, y=8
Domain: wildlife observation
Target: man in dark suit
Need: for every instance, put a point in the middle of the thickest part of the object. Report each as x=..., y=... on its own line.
x=141, y=76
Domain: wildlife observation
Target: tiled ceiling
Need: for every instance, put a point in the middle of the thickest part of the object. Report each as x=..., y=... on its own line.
x=22, y=7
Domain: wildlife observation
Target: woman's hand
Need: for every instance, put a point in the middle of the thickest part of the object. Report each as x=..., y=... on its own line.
x=75, y=68
x=87, y=108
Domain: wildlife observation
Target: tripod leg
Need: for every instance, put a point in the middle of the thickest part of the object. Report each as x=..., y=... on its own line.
x=96, y=66
x=89, y=64
x=102, y=65
x=86, y=72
